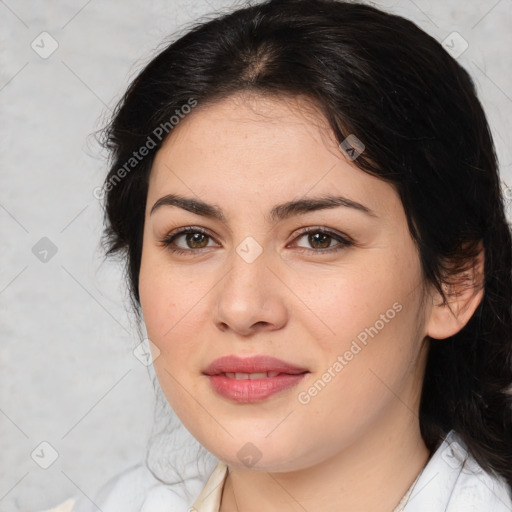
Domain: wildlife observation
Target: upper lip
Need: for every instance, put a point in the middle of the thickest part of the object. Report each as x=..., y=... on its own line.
x=254, y=364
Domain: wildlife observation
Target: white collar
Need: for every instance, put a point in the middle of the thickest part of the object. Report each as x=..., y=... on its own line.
x=452, y=481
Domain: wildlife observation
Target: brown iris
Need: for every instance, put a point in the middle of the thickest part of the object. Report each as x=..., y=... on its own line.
x=319, y=238
x=195, y=240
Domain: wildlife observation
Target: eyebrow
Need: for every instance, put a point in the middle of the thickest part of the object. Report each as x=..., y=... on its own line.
x=278, y=213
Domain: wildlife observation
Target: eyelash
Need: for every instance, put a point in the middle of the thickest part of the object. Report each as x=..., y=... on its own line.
x=343, y=240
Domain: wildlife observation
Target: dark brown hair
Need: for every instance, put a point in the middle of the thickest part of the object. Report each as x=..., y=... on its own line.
x=379, y=77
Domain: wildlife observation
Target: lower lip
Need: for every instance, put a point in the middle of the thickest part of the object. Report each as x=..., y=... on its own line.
x=252, y=390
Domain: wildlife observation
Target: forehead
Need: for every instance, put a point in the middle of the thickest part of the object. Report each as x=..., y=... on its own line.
x=253, y=146
x=239, y=125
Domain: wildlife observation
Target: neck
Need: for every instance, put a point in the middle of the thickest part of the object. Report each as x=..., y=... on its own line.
x=372, y=473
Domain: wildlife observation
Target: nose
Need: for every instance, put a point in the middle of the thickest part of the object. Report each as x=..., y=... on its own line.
x=250, y=298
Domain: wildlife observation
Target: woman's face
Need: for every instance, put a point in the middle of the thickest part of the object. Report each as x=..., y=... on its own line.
x=293, y=253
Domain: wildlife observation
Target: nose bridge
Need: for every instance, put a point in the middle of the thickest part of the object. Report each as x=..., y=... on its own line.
x=248, y=272
x=248, y=294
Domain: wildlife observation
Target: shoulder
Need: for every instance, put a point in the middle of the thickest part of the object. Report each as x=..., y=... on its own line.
x=453, y=481
x=136, y=490
x=67, y=506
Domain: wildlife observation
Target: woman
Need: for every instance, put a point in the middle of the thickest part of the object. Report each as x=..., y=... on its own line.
x=307, y=196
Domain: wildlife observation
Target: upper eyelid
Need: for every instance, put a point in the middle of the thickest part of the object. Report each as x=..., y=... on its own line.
x=187, y=229
x=321, y=229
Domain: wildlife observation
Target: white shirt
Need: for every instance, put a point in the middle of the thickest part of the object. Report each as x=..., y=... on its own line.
x=452, y=481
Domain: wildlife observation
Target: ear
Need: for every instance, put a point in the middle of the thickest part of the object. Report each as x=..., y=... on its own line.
x=463, y=296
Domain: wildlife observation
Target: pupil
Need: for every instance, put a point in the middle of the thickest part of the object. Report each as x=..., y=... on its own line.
x=195, y=240
x=321, y=238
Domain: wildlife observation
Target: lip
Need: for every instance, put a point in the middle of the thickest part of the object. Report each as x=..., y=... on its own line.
x=252, y=390
x=253, y=364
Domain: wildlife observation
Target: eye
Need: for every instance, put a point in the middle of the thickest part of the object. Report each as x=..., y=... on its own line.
x=194, y=238
x=320, y=240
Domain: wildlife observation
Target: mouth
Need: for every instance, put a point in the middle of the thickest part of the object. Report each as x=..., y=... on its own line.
x=252, y=379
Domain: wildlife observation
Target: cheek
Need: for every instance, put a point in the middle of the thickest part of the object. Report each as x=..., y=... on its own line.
x=370, y=314
x=163, y=291
x=340, y=305
x=158, y=298
x=156, y=305
x=173, y=308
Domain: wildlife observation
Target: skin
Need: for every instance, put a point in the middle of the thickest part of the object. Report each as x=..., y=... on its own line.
x=246, y=154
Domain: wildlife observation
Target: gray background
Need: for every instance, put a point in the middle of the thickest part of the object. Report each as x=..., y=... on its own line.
x=68, y=374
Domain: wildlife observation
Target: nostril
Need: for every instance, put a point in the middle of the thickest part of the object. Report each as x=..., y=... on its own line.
x=223, y=326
